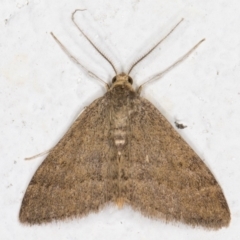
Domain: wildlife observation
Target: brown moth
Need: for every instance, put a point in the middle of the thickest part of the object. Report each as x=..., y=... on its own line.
x=121, y=149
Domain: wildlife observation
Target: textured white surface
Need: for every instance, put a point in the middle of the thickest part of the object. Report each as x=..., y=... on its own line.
x=42, y=91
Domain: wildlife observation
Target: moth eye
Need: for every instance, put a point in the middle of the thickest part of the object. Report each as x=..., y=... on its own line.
x=130, y=80
x=114, y=79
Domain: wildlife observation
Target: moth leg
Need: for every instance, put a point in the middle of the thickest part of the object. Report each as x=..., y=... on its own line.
x=159, y=75
x=81, y=112
x=91, y=74
x=49, y=150
x=39, y=154
x=158, y=43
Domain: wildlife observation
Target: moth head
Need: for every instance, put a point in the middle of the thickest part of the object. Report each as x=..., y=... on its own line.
x=122, y=79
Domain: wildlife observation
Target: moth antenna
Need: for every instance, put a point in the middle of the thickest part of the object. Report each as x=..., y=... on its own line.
x=77, y=62
x=146, y=54
x=103, y=55
x=159, y=75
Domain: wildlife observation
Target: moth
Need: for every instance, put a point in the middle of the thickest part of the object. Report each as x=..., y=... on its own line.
x=121, y=149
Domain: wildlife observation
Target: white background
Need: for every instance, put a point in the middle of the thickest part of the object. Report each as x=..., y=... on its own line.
x=42, y=91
